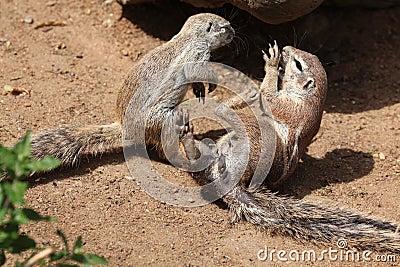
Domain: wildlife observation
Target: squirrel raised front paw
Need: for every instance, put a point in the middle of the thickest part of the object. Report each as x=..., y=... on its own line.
x=272, y=60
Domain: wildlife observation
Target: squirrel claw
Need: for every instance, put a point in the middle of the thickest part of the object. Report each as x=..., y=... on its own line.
x=183, y=124
x=274, y=56
x=199, y=90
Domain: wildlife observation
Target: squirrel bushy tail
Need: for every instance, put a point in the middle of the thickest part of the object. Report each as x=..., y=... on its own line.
x=69, y=142
x=305, y=221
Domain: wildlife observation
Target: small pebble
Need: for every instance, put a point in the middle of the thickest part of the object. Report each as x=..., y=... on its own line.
x=125, y=53
x=191, y=200
x=28, y=20
x=129, y=178
x=61, y=46
x=55, y=69
x=108, y=23
x=43, y=241
x=382, y=156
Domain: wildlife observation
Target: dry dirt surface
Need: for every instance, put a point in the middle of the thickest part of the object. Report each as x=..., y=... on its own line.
x=73, y=67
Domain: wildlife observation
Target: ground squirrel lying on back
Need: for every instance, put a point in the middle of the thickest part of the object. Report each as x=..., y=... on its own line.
x=294, y=88
x=201, y=34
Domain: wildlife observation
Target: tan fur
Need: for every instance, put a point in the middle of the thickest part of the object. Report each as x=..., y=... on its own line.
x=296, y=112
x=153, y=104
x=296, y=100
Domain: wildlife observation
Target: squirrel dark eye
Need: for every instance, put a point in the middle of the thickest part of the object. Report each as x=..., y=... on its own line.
x=209, y=27
x=298, y=65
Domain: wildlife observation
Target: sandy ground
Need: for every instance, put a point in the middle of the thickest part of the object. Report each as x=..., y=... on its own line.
x=74, y=72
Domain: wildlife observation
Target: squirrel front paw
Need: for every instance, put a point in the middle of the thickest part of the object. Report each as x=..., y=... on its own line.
x=199, y=89
x=272, y=60
x=182, y=122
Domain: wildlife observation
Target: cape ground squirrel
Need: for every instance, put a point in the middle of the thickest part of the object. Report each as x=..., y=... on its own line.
x=201, y=34
x=294, y=87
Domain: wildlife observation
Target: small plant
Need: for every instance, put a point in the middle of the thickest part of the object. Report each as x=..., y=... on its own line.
x=16, y=163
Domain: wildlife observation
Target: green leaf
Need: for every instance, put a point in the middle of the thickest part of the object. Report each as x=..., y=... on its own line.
x=3, y=212
x=5, y=154
x=17, y=160
x=2, y=194
x=18, y=217
x=78, y=247
x=3, y=238
x=90, y=259
x=64, y=239
x=58, y=255
x=11, y=229
x=15, y=192
x=47, y=163
x=67, y=265
x=2, y=257
x=42, y=262
x=24, y=215
x=35, y=216
x=23, y=147
x=22, y=243
x=7, y=161
x=20, y=169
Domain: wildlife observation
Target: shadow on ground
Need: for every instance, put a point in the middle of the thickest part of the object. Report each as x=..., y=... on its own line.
x=338, y=166
x=86, y=165
x=357, y=49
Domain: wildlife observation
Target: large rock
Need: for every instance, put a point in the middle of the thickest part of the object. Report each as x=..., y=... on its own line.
x=364, y=3
x=279, y=11
x=269, y=11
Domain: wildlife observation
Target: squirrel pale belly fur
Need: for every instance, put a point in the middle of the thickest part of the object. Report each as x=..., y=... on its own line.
x=294, y=88
x=201, y=34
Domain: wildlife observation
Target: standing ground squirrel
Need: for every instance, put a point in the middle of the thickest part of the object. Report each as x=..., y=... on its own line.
x=294, y=88
x=201, y=34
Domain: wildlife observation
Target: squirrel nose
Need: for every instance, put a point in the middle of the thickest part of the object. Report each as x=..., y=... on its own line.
x=228, y=29
x=230, y=33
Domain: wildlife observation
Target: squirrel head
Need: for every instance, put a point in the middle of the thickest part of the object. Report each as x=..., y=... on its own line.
x=301, y=75
x=208, y=28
